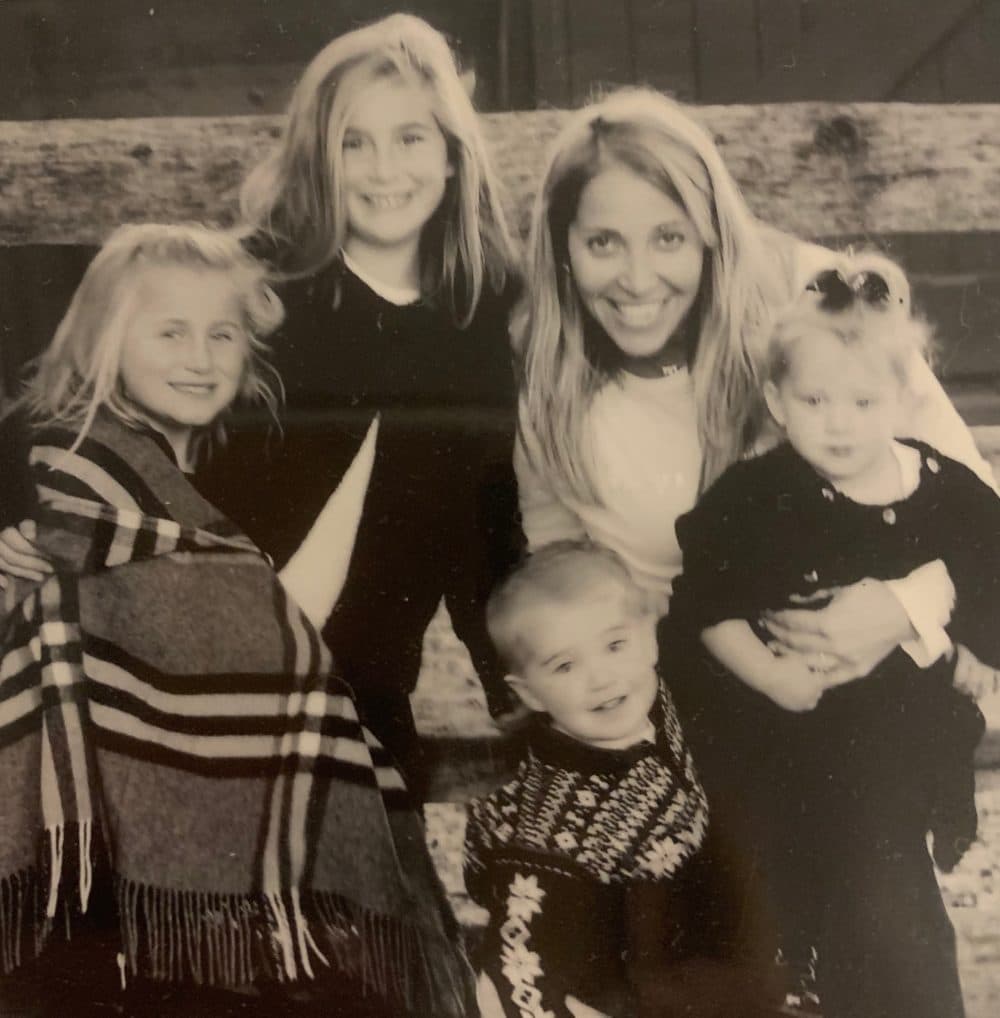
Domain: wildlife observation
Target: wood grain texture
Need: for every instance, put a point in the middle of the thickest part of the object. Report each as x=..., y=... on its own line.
x=813, y=168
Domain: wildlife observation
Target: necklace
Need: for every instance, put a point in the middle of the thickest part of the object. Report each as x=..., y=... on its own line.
x=666, y=370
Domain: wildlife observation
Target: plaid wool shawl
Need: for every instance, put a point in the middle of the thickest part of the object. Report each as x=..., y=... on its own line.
x=162, y=696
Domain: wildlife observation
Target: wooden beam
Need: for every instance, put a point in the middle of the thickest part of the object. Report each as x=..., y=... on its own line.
x=814, y=168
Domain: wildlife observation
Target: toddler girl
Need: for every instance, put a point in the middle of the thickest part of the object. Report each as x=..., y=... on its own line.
x=164, y=702
x=846, y=780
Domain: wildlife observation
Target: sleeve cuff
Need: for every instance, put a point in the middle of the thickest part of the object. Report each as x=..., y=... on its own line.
x=927, y=596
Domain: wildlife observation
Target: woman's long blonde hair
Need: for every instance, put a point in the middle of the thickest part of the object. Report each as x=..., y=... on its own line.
x=560, y=347
x=79, y=371
x=292, y=199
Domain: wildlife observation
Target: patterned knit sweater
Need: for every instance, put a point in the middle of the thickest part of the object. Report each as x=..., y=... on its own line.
x=568, y=854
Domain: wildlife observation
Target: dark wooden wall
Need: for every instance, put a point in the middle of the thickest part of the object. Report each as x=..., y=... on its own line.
x=94, y=58
x=138, y=58
x=114, y=58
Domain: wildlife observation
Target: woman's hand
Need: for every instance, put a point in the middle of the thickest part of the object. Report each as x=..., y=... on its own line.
x=19, y=556
x=847, y=638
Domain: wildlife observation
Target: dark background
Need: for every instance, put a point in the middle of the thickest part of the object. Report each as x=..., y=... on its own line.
x=124, y=58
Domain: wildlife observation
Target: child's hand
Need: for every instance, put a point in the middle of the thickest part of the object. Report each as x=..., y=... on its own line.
x=19, y=556
x=793, y=685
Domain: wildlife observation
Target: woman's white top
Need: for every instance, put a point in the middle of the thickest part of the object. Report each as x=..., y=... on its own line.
x=641, y=440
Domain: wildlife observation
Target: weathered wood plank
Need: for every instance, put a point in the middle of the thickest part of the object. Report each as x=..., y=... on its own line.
x=813, y=168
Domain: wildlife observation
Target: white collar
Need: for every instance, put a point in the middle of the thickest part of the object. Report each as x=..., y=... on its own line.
x=398, y=295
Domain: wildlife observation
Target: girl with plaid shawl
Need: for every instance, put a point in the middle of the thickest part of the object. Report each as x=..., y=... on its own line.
x=164, y=700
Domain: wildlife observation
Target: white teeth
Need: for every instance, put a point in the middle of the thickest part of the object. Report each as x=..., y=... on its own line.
x=387, y=201
x=639, y=316
x=610, y=704
x=193, y=388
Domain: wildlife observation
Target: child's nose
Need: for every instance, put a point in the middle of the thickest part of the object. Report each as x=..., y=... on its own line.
x=838, y=417
x=198, y=354
x=597, y=677
x=383, y=162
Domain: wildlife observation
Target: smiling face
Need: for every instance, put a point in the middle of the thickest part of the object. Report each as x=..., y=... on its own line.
x=636, y=259
x=395, y=166
x=590, y=664
x=840, y=406
x=185, y=350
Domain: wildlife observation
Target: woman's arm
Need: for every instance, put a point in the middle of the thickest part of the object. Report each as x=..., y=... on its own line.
x=316, y=572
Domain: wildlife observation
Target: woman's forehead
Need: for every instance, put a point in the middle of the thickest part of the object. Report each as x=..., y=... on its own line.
x=618, y=193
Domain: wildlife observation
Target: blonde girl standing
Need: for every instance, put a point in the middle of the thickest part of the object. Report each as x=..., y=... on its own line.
x=381, y=212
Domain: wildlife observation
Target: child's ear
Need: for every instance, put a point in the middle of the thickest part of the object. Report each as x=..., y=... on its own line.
x=773, y=399
x=524, y=693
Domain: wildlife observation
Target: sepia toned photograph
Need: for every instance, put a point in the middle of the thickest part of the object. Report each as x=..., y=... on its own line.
x=500, y=509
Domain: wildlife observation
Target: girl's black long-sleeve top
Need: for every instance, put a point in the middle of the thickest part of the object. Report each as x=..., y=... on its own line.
x=440, y=515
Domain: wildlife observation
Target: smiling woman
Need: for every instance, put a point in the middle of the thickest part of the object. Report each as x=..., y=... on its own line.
x=636, y=258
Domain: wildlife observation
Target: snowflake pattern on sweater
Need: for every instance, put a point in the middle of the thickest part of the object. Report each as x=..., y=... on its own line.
x=557, y=849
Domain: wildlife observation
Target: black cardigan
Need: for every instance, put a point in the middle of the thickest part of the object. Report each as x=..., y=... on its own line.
x=902, y=738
